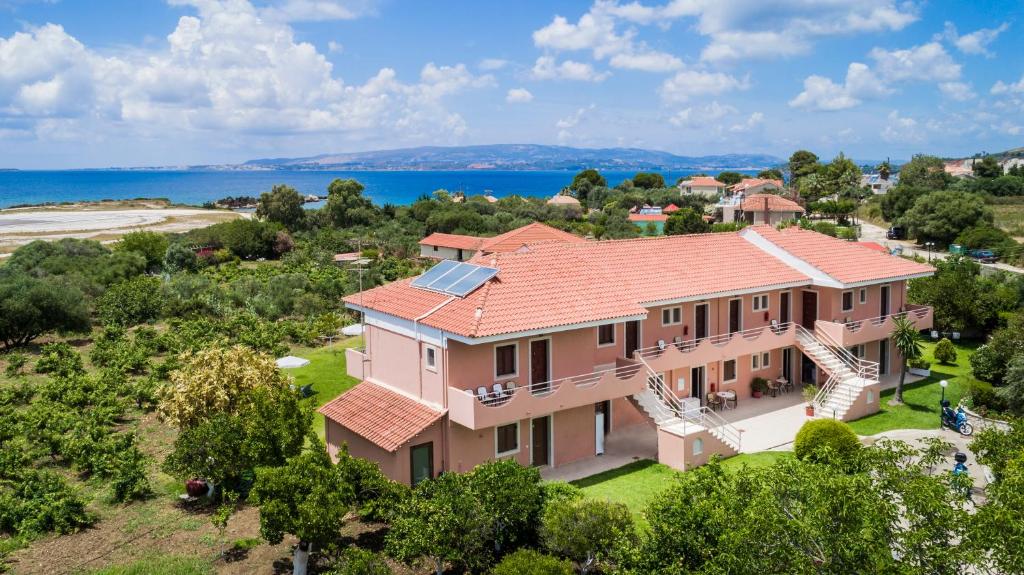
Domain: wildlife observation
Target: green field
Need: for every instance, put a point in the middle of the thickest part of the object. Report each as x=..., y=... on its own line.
x=920, y=409
x=326, y=373
x=1010, y=217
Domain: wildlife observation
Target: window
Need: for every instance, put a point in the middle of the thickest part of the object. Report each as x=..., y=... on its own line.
x=761, y=302
x=435, y=248
x=755, y=362
x=863, y=295
x=505, y=360
x=760, y=361
x=431, y=358
x=698, y=446
x=847, y=300
x=606, y=334
x=506, y=439
x=671, y=316
x=729, y=370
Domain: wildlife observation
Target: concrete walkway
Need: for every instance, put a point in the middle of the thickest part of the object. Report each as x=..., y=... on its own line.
x=621, y=448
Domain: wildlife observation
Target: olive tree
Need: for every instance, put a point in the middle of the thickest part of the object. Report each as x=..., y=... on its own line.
x=31, y=307
x=586, y=531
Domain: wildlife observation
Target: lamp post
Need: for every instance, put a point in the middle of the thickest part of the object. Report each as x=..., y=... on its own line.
x=929, y=246
x=942, y=401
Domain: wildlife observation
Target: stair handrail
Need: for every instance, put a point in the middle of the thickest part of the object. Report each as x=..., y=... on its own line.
x=667, y=399
x=863, y=368
x=825, y=390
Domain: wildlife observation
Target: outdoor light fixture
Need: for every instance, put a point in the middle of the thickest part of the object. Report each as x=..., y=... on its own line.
x=943, y=385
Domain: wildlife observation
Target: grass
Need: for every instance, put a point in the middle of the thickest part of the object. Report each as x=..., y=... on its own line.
x=1010, y=217
x=161, y=565
x=636, y=484
x=920, y=409
x=326, y=373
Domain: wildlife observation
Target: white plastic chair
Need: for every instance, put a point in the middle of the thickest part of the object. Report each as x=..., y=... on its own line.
x=935, y=334
x=499, y=391
x=956, y=336
x=481, y=393
x=661, y=345
x=511, y=388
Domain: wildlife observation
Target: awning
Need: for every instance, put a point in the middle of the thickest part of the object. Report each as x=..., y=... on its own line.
x=290, y=361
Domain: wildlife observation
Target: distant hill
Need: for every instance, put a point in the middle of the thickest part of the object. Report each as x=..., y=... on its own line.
x=517, y=157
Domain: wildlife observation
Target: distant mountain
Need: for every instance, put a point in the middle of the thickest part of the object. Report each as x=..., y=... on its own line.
x=516, y=157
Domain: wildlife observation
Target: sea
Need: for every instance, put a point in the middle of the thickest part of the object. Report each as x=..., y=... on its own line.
x=194, y=187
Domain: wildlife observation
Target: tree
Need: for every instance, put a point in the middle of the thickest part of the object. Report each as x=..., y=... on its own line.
x=180, y=258
x=803, y=163
x=685, y=221
x=824, y=439
x=841, y=177
x=941, y=216
x=443, y=523
x=770, y=174
x=356, y=561
x=927, y=172
x=884, y=170
x=305, y=498
x=346, y=205
x=963, y=299
x=648, y=180
x=997, y=530
x=511, y=496
x=945, y=352
x=990, y=360
x=282, y=204
x=987, y=167
x=1012, y=391
x=215, y=381
x=131, y=302
x=908, y=343
x=151, y=245
x=729, y=178
x=585, y=181
x=530, y=562
x=899, y=200
x=586, y=530
x=31, y=307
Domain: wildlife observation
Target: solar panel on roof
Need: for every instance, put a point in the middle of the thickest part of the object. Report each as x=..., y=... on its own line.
x=454, y=278
x=434, y=273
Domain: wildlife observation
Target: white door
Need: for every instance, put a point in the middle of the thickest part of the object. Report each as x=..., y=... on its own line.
x=599, y=433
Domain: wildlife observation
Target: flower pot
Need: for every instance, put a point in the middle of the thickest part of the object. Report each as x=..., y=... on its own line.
x=756, y=394
x=809, y=410
x=196, y=487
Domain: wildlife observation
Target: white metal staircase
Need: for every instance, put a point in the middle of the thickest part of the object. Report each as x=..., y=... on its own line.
x=847, y=374
x=667, y=410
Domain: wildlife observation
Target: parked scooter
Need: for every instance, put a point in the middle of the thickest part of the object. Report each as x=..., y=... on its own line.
x=960, y=470
x=955, y=420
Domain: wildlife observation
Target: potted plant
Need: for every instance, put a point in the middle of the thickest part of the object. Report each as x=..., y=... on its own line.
x=758, y=386
x=920, y=367
x=810, y=392
x=197, y=487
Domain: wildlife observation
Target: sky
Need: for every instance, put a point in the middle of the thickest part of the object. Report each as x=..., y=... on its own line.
x=95, y=83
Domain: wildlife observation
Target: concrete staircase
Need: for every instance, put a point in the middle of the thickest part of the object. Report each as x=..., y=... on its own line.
x=668, y=412
x=848, y=374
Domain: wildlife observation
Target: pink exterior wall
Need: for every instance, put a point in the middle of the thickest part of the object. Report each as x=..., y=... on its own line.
x=397, y=465
x=869, y=309
x=676, y=451
x=626, y=414
x=865, y=404
x=400, y=362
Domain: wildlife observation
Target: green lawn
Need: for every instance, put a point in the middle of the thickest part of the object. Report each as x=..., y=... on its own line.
x=161, y=565
x=920, y=409
x=326, y=373
x=637, y=483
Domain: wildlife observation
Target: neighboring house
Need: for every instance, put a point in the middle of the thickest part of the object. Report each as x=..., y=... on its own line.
x=558, y=352
x=878, y=185
x=701, y=185
x=563, y=200
x=749, y=186
x=1010, y=163
x=670, y=209
x=767, y=208
x=960, y=168
x=460, y=248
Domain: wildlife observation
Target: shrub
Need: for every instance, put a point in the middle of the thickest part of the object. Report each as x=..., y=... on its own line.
x=945, y=352
x=983, y=397
x=131, y=302
x=586, y=530
x=356, y=561
x=919, y=363
x=128, y=475
x=759, y=384
x=59, y=359
x=554, y=491
x=530, y=562
x=821, y=434
x=15, y=361
x=377, y=497
x=39, y=502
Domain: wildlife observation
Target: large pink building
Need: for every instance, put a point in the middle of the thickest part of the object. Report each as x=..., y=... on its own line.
x=545, y=353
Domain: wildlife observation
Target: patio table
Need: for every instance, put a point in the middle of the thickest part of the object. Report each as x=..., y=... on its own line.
x=727, y=396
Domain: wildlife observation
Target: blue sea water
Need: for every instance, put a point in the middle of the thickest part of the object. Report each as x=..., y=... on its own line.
x=195, y=187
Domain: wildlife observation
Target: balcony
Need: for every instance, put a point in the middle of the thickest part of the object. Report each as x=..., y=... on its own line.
x=467, y=408
x=355, y=362
x=676, y=354
x=863, y=331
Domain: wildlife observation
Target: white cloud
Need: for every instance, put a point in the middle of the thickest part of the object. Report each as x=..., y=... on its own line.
x=927, y=62
x=976, y=42
x=688, y=83
x=335, y=47
x=491, y=64
x=901, y=129
x=821, y=93
x=753, y=121
x=546, y=68
x=1001, y=87
x=518, y=96
x=306, y=10
x=230, y=68
x=959, y=91
x=565, y=125
x=701, y=116
x=647, y=61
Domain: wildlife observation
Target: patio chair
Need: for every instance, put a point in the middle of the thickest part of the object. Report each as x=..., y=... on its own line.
x=935, y=334
x=481, y=393
x=786, y=384
x=773, y=388
x=511, y=389
x=956, y=336
x=661, y=345
x=774, y=324
x=714, y=401
x=678, y=342
x=498, y=391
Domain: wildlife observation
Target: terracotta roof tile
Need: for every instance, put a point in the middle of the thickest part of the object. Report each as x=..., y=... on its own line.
x=670, y=208
x=747, y=183
x=756, y=203
x=526, y=235
x=454, y=241
x=706, y=181
x=843, y=260
x=384, y=417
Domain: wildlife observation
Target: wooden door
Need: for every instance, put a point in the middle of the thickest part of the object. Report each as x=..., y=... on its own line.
x=784, y=307
x=700, y=328
x=540, y=368
x=541, y=434
x=809, y=308
x=632, y=337
x=735, y=311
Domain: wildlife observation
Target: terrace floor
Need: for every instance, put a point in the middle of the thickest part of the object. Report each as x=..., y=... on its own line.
x=621, y=447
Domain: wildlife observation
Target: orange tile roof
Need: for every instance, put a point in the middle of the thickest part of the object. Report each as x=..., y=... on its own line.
x=706, y=181
x=559, y=284
x=844, y=261
x=384, y=417
x=873, y=246
x=747, y=183
x=670, y=208
x=756, y=203
x=528, y=234
x=454, y=241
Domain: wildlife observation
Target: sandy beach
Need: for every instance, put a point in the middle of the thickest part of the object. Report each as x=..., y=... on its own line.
x=105, y=221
